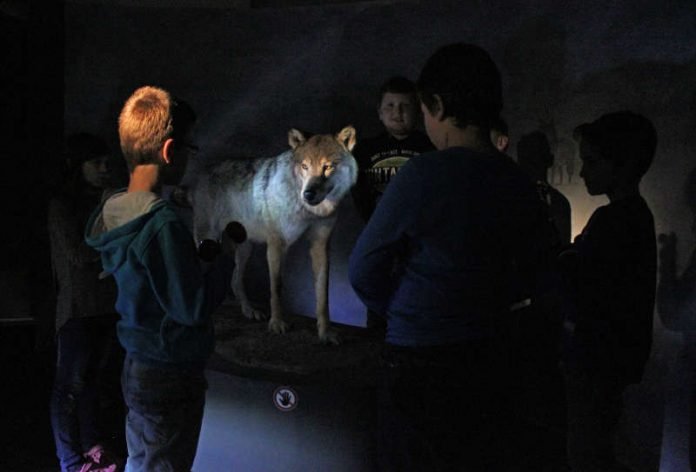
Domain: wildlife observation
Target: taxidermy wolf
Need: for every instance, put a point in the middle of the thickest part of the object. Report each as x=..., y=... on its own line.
x=277, y=200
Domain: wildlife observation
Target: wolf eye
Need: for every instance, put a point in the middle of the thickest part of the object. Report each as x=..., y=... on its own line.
x=328, y=166
x=304, y=166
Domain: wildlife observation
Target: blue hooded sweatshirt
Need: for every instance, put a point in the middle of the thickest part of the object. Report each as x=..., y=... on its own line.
x=165, y=298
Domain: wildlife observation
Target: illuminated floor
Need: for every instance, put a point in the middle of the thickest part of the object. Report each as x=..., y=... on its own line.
x=244, y=431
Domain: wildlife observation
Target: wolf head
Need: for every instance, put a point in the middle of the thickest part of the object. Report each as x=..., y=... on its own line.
x=324, y=167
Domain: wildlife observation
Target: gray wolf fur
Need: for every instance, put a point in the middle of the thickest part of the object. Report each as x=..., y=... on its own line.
x=277, y=200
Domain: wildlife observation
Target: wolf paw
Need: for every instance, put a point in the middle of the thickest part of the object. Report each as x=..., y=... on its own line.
x=329, y=336
x=254, y=314
x=277, y=326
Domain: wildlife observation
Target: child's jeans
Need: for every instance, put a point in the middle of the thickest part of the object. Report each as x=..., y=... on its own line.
x=594, y=410
x=442, y=409
x=84, y=347
x=165, y=412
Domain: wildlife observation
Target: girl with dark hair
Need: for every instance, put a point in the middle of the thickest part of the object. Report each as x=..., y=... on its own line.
x=85, y=315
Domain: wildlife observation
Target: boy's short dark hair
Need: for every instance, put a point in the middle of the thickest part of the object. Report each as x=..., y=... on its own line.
x=499, y=124
x=468, y=83
x=622, y=137
x=397, y=84
x=149, y=117
x=81, y=147
x=533, y=150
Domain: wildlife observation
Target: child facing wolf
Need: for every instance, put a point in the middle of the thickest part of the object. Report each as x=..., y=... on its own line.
x=381, y=156
x=165, y=299
x=610, y=271
x=451, y=245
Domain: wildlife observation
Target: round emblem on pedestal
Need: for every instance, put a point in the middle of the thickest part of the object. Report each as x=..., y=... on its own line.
x=285, y=398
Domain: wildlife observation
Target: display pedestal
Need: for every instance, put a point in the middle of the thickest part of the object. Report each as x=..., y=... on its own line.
x=287, y=402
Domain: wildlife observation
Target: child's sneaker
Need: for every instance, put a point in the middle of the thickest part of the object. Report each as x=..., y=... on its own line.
x=92, y=467
x=102, y=460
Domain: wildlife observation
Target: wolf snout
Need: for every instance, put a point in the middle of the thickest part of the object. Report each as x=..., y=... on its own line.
x=314, y=195
x=311, y=196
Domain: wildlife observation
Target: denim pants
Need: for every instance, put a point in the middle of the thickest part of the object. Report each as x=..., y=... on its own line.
x=85, y=346
x=165, y=412
x=594, y=410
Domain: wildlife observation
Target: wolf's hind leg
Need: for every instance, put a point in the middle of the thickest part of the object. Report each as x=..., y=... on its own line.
x=241, y=257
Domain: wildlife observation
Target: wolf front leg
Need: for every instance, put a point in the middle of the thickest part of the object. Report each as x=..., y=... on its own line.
x=319, y=252
x=241, y=257
x=274, y=255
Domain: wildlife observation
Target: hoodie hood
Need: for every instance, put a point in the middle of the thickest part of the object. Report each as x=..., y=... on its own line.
x=165, y=299
x=117, y=224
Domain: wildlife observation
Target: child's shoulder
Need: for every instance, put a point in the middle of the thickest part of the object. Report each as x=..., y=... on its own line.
x=623, y=217
x=628, y=208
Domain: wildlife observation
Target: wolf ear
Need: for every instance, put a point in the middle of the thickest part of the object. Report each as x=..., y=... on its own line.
x=295, y=138
x=347, y=137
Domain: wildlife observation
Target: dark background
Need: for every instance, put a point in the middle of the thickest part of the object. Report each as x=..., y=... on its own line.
x=254, y=69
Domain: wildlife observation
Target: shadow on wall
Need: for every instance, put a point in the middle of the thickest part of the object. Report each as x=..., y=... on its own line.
x=534, y=78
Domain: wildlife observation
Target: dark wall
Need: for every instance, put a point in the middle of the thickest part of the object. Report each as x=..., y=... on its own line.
x=253, y=73
x=31, y=132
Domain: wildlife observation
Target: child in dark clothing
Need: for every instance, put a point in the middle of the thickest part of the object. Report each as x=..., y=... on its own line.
x=380, y=157
x=535, y=158
x=610, y=272
x=85, y=320
x=440, y=259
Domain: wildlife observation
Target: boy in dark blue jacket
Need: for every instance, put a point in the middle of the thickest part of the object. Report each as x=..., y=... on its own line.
x=442, y=259
x=165, y=299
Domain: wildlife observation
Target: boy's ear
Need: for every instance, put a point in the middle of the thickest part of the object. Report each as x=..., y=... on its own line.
x=438, y=108
x=167, y=150
x=504, y=141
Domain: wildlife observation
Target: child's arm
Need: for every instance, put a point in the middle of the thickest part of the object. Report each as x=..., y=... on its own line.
x=372, y=262
x=363, y=197
x=185, y=293
x=362, y=192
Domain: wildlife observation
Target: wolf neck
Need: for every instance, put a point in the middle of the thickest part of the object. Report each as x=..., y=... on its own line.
x=324, y=210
